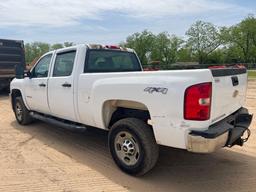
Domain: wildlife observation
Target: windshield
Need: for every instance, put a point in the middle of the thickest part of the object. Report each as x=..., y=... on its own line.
x=111, y=61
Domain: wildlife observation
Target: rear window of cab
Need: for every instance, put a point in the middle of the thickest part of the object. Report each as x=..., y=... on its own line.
x=98, y=61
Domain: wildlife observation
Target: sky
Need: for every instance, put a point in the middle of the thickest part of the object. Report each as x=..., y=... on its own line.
x=111, y=21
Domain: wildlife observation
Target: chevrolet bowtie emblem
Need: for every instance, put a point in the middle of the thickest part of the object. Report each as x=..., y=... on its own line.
x=235, y=94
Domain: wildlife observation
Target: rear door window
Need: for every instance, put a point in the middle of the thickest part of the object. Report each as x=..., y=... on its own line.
x=64, y=64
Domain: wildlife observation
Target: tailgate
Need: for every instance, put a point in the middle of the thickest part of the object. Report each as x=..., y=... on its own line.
x=228, y=92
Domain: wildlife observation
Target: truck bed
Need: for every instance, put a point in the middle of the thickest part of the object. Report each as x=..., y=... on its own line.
x=11, y=55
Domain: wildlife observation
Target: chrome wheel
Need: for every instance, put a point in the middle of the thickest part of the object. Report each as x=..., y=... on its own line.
x=19, y=111
x=127, y=148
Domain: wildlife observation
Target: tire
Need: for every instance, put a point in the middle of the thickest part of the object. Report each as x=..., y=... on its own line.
x=21, y=112
x=138, y=158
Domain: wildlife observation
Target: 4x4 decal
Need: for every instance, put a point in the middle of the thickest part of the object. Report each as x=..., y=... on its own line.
x=156, y=89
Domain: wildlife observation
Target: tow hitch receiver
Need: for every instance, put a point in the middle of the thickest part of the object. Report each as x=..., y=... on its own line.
x=241, y=124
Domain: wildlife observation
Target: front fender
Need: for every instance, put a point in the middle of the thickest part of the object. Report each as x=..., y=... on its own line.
x=18, y=85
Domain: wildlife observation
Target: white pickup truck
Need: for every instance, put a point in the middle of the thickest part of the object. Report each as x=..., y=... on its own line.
x=105, y=87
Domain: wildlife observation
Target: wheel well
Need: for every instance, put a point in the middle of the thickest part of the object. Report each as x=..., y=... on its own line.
x=115, y=110
x=122, y=113
x=15, y=93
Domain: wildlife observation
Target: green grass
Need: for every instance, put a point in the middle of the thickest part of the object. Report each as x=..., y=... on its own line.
x=252, y=73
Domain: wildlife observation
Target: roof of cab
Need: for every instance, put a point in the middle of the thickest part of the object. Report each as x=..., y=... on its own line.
x=111, y=47
x=97, y=46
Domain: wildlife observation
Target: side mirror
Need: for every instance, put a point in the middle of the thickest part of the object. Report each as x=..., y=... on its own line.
x=28, y=74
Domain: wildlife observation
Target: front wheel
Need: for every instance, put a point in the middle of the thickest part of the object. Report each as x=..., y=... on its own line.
x=21, y=112
x=133, y=147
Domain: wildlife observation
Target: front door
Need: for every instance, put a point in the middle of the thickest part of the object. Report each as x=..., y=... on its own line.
x=61, y=86
x=36, y=86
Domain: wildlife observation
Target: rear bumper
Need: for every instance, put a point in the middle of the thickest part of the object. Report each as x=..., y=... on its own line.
x=227, y=132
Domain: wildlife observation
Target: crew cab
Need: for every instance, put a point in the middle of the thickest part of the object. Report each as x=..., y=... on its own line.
x=105, y=87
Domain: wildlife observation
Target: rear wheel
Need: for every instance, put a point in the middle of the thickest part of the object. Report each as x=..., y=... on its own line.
x=21, y=112
x=133, y=146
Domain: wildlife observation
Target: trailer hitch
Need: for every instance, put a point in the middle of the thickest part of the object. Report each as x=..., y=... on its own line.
x=240, y=141
x=236, y=134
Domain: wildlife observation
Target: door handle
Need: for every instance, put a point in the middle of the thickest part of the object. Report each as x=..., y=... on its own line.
x=42, y=85
x=66, y=85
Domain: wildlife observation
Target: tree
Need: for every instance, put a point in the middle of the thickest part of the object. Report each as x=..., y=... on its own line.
x=149, y=47
x=185, y=55
x=68, y=44
x=243, y=37
x=216, y=57
x=35, y=50
x=57, y=46
x=166, y=48
x=203, y=38
x=142, y=43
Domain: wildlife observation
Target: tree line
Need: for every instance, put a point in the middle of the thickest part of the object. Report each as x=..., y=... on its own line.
x=36, y=49
x=204, y=43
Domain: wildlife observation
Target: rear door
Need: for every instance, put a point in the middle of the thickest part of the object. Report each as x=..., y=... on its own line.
x=229, y=91
x=61, y=85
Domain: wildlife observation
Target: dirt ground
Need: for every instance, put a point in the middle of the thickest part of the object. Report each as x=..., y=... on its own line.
x=43, y=157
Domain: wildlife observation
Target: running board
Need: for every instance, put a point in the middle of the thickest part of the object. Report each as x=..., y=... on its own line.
x=59, y=122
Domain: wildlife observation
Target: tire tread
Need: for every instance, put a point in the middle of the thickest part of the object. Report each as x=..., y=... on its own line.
x=147, y=138
x=27, y=119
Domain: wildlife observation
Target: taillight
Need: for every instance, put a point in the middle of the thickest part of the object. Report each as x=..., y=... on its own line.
x=197, y=102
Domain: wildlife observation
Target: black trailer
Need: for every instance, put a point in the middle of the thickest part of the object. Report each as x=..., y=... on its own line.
x=12, y=55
